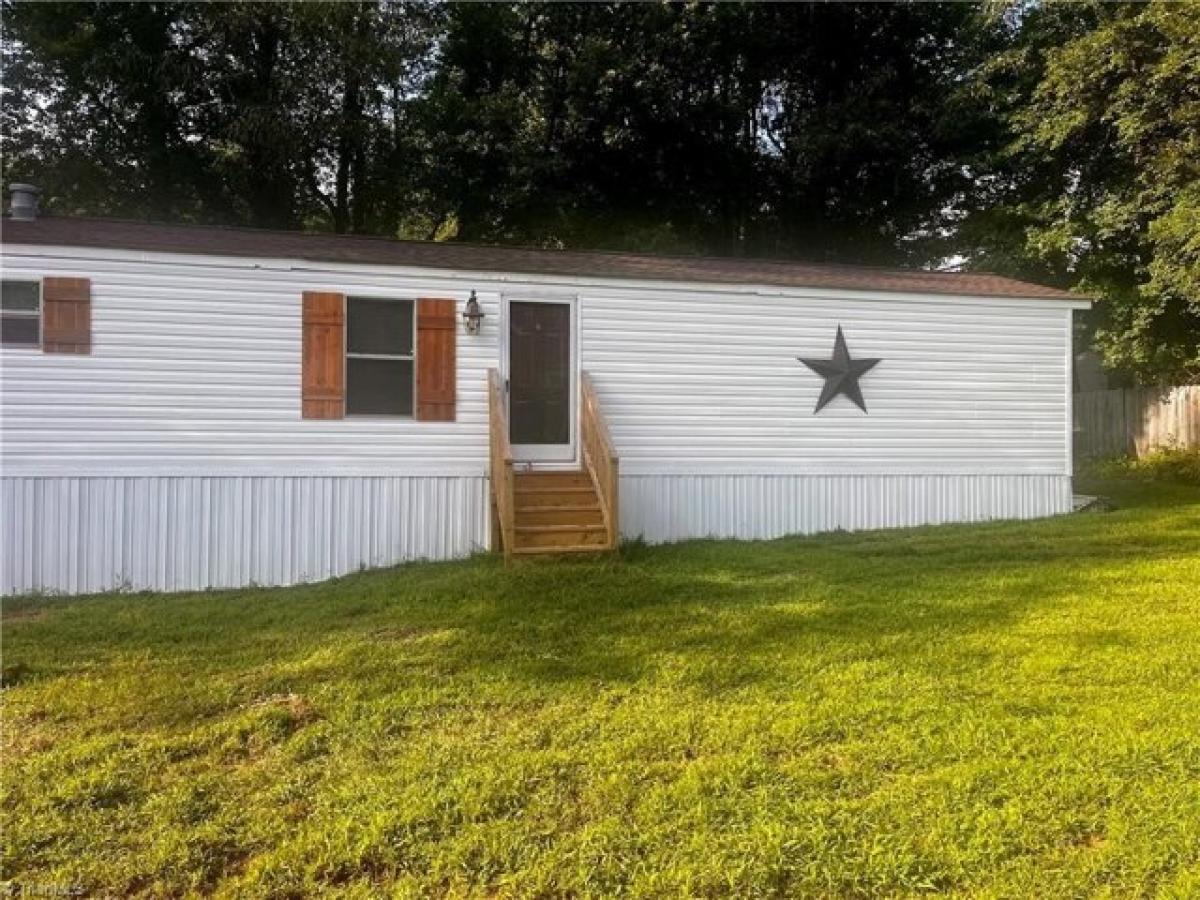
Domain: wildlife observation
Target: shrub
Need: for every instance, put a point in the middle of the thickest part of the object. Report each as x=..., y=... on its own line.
x=1163, y=464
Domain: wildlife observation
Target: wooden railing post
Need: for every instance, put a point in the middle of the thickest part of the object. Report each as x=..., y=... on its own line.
x=502, y=481
x=600, y=457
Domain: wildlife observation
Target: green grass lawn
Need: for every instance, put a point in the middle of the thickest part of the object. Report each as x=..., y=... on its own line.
x=1008, y=710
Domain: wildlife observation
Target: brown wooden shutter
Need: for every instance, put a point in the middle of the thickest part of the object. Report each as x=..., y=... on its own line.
x=437, y=378
x=66, y=315
x=323, y=379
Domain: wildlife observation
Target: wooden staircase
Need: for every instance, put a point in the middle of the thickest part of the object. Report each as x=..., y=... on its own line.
x=537, y=513
x=558, y=512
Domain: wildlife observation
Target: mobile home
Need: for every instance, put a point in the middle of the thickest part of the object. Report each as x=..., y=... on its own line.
x=188, y=407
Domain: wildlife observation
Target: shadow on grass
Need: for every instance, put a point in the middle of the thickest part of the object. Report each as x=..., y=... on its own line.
x=726, y=600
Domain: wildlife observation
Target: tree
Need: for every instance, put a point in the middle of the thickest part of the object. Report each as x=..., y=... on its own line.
x=97, y=108
x=267, y=114
x=814, y=131
x=1099, y=186
x=794, y=131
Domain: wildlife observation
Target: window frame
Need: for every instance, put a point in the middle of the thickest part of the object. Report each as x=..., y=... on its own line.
x=390, y=357
x=27, y=314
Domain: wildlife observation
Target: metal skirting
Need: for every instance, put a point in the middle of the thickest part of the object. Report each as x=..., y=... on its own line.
x=88, y=534
x=74, y=535
x=662, y=508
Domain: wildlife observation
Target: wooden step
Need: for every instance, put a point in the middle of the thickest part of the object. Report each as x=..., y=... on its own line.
x=572, y=514
x=566, y=479
x=532, y=536
x=558, y=551
x=554, y=496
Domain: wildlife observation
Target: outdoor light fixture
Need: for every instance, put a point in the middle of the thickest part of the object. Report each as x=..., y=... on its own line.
x=473, y=315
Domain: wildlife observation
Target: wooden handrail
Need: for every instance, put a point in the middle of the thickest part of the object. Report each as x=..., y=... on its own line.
x=600, y=457
x=503, y=485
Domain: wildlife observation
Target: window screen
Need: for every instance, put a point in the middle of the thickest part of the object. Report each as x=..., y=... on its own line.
x=379, y=357
x=379, y=387
x=20, y=313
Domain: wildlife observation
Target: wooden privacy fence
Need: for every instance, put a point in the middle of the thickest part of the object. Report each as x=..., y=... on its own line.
x=1136, y=420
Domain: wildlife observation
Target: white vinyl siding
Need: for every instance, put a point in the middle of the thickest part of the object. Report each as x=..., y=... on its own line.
x=709, y=385
x=195, y=369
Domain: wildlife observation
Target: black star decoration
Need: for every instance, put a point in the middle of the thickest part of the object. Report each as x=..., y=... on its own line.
x=841, y=373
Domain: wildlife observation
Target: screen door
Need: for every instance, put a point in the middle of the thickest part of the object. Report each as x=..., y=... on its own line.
x=541, y=380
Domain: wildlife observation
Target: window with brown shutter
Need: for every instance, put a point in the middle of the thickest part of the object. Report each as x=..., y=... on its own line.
x=437, y=332
x=378, y=356
x=66, y=315
x=323, y=376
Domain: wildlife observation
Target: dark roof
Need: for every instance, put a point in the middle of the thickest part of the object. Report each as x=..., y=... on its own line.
x=251, y=242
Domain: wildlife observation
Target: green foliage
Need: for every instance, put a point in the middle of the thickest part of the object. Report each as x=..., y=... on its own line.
x=992, y=710
x=816, y=131
x=1177, y=464
x=267, y=114
x=1100, y=186
x=798, y=131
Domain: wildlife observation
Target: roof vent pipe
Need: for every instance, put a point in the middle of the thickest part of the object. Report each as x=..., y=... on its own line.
x=23, y=202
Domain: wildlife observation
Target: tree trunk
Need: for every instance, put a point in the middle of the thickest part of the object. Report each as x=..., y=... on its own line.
x=347, y=149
